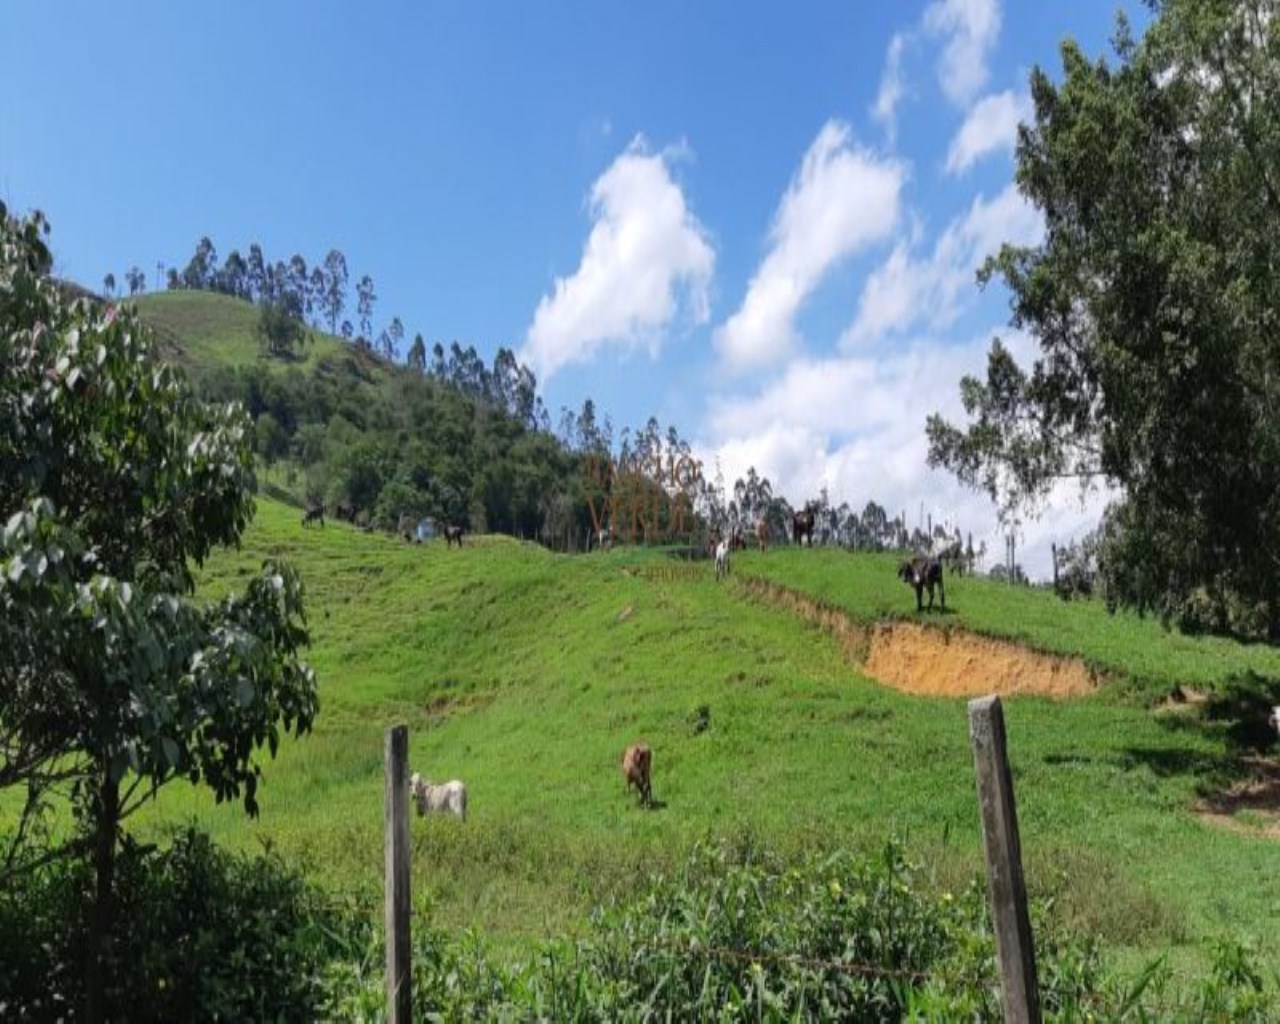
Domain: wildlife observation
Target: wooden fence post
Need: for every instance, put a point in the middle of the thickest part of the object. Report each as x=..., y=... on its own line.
x=1019, y=993
x=396, y=836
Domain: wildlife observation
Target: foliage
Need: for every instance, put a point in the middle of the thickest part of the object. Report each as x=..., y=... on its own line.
x=115, y=485
x=1153, y=300
x=280, y=329
x=212, y=936
x=737, y=934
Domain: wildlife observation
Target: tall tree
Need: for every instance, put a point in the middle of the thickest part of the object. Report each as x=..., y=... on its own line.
x=298, y=281
x=417, y=357
x=201, y=270
x=316, y=289
x=335, y=295
x=109, y=284
x=395, y=335
x=114, y=485
x=1154, y=298
x=234, y=277
x=365, y=298
x=256, y=273
x=136, y=280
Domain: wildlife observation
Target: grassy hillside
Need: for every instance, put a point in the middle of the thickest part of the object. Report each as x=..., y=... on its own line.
x=525, y=673
x=203, y=331
x=1124, y=645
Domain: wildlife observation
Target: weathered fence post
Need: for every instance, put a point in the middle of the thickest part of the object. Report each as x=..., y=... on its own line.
x=1019, y=993
x=396, y=834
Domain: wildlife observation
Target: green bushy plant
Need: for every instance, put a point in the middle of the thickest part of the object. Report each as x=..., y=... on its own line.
x=737, y=934
x=210, y=936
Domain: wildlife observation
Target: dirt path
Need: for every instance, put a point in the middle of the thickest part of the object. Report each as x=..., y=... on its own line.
x=936, y=662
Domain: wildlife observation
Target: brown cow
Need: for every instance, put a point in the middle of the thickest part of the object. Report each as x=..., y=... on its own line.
x=452, y=535
x=762, y=533
x=637, y=761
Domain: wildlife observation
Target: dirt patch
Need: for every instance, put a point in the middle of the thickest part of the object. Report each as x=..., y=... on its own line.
x=952, y=663
x=1251, y=806
x=937, y=662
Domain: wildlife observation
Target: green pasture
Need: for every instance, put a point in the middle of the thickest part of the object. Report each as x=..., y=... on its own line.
x=1135, y=651
x=525, y=673
x=203, y=331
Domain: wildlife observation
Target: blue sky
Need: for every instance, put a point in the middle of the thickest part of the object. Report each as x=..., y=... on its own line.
x=758, y=222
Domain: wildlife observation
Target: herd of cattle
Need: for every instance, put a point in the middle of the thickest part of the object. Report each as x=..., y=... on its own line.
x=924, y=572
x=407, y=528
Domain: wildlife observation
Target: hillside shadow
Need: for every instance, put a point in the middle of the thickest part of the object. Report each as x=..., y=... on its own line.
x=937, y=610
x=1241, y=709
x=1211, y=771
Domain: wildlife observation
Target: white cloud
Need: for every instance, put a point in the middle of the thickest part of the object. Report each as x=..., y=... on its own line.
x=905, y=292
x=645, y=253
x=970, y=28
x=841, y=199
x=855, y=424
x=892, y=86
x=991, y=125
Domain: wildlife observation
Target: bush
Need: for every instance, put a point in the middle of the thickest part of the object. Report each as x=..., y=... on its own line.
x=204, y=935
x=735, y=934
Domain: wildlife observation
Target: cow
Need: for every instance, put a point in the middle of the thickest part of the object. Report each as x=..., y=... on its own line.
x=1274, y=720
x=637, y=762
x=452, y=535
x=313, y=514
x=921, y=573
x=450, y=797
x=345, y=510
x=722, y=560
x=762, y=533
x=802, y=526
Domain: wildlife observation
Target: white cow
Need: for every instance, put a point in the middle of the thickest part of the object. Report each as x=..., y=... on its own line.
x=1274, y=720
x=445, y=796
x=722, y=559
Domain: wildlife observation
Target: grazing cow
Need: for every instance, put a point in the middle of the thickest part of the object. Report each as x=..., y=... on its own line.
x=345, y=510
x=452, y=535
x=637, y=762
x=762, y=533
x=802, y=526
x=450, y=797
x=722, y=560
x=313, y=514
x=921, y=573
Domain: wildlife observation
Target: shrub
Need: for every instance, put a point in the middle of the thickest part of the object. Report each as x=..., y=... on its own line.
x=735, y=934
x=206, y=935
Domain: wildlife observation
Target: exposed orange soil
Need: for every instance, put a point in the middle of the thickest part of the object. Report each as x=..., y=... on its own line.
x=937, y=662
x=957, y=664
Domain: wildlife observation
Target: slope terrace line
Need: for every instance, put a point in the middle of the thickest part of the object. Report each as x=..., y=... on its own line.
x=928, y=661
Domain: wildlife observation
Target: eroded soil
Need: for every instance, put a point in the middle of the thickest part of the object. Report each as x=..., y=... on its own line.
x=937, y=662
